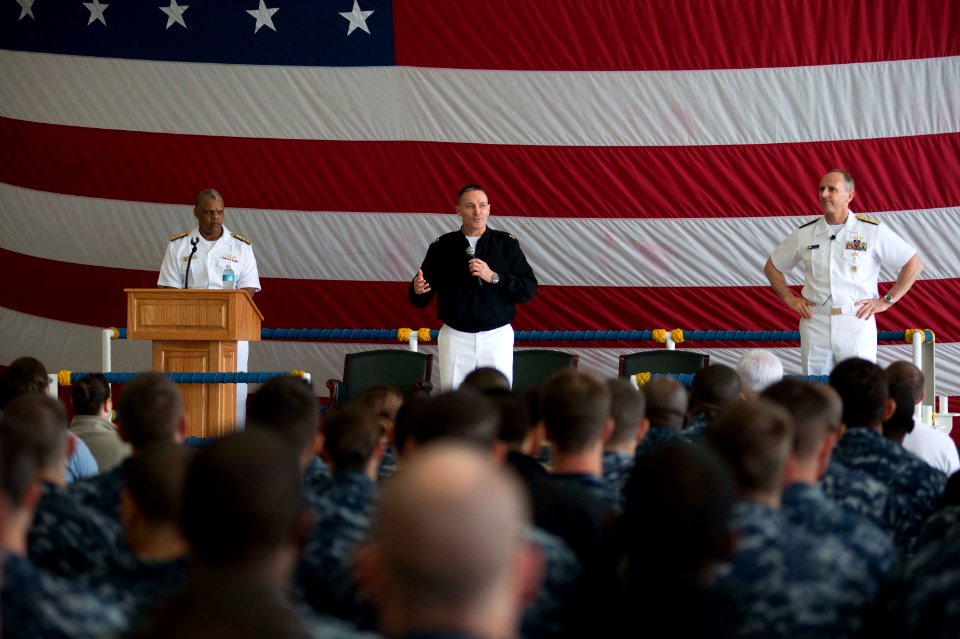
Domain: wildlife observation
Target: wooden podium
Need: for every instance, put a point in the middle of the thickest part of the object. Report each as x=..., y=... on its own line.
x=196, y=330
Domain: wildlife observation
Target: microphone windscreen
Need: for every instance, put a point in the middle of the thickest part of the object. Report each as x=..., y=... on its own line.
x=471, y=251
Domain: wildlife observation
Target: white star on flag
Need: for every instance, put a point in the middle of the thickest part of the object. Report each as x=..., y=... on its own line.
x=26, y=9
x=263, y=15
x=174, y=14
x=96, y=11
x=356, y=18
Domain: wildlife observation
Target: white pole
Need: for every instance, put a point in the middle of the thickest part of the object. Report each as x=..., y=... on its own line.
x=105, y=338
x=52, y=383
x=414, y=341
x=307, y=378
x=918, y=338
x=917, y=341
x=671, y=346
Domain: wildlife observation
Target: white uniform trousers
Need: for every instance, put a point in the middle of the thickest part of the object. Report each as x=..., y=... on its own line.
x=833, y=335
x=243, y=355
x=461, y=353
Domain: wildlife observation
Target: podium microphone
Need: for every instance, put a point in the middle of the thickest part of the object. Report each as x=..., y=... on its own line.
x=193, y=251
x=471, y=252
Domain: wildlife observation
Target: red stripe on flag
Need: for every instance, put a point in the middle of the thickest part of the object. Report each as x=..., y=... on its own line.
x=892, y=174
x=613, y=35
x=94, y=296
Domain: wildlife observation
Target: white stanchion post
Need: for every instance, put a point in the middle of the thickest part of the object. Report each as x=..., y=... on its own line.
x=918, y=338
x=105, y=357
x=917, y=344
x=671, y=345
x=633, y=382
x=52, y=382
x=414, y=341
x=308, y=378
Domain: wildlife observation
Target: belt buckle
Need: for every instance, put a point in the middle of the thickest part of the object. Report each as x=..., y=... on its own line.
x=836, y=310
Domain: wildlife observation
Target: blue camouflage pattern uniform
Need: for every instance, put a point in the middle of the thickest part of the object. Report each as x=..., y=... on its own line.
x=343, y=513
x=915, y=486
x=316, y=478
x=806, y=505
x=857, y=492
x=548, y=614
x=657, y=437
x=102, y=493
x=594, y=485
x=693, y=431
x=37, y=604
x=138, y=584
x=616, y=470
x=388, y=465
x=939, y=525
x=924, y=602
x=785, y=582
x=69, y=539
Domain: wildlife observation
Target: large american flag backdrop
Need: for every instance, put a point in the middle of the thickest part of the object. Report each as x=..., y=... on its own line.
x=648, y=154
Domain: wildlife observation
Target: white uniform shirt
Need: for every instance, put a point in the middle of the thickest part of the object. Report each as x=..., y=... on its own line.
x=933, y=447
x=845, y=269
x=209, y=262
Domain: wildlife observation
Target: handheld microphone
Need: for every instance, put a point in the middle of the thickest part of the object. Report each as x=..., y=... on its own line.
x=186, y=276
x=471, y=252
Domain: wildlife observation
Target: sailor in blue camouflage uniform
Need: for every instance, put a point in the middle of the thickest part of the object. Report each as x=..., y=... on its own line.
x=857, y=492
x=915, y=486
x=69, y=539
x=788, y=583
x=784, y=581
x=806, y=505
x=666, y=412
x=548, y=615
x=594, y=485
x=693, y=431
x=38, y=604
x=343, y=518
x=65, y=537
x=630, y=425
x=923, y=603
x=354, y=446
x=817, y=410
x=714, y=387
x=316, y=477
x=940, y=525
x=101, y=493
x=657, y=438
x=35, y=603
x=616, y=469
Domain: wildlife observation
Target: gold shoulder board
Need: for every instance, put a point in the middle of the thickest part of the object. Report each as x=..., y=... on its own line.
x=179, y=235
x=868, y=220
x=813, y=221
x=242, y=238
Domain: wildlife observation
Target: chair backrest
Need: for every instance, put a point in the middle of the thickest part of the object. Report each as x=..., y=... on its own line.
x=402, y=369
x=533, y=367
x=662, y=361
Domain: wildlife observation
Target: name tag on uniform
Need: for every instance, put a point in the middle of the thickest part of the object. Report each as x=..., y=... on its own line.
x=232, y=258
x=812, y=246
x=187, y=258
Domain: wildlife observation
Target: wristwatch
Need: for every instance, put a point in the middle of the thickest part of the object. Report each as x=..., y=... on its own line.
x=888, y=298
x=495, y=279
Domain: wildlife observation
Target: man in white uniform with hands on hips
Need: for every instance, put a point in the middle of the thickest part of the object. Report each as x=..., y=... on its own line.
x=208, y=250
x=842, y=254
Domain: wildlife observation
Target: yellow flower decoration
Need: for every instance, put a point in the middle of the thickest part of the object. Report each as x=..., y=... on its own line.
x=423, y=334
x=642, y=378
x=677, y=335
x=403, y=335
x=115, y=331
x=297, y=373
x=660, y=336
x=63, y=378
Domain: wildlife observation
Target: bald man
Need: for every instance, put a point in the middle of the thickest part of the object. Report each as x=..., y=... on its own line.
x=449, y=554
x=666, y=410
